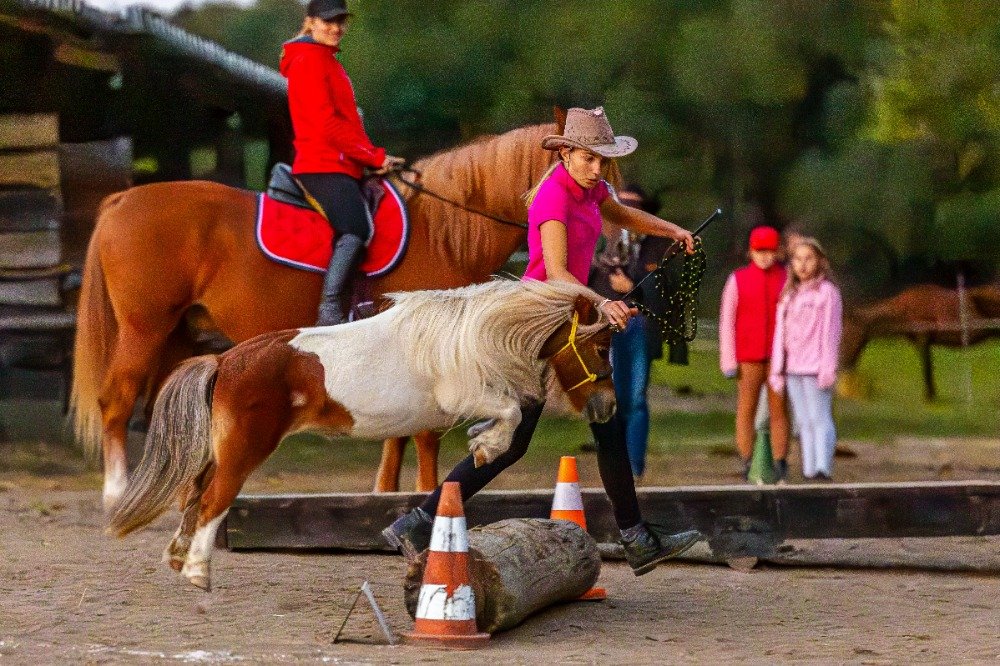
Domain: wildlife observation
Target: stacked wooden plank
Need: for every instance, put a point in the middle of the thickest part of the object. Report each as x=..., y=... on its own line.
x=35, y=324
x=30, y=199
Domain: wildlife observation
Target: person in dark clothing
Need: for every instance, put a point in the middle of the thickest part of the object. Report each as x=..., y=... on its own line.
x=565, y=212
x=624, y=262
x=332, y=149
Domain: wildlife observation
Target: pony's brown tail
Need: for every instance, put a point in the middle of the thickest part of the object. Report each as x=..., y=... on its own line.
x=96, y=330
x=178, y=445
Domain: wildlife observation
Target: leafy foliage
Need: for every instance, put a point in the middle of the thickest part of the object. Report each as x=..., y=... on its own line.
x=874, y=124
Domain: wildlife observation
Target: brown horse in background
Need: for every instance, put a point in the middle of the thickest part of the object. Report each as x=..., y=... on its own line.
x=927, y=315
x=167, y=257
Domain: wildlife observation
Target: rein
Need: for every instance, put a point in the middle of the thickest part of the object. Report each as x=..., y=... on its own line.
x=589, y=377
x=423, y=190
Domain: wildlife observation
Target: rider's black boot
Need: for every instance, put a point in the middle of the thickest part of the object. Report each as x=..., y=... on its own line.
x=411, y=533
x=347, y=252
x=647, y=545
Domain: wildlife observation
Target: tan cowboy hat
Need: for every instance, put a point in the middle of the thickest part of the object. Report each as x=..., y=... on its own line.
x=589, y=129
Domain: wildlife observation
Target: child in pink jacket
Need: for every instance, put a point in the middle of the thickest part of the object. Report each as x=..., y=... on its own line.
x=804, y=356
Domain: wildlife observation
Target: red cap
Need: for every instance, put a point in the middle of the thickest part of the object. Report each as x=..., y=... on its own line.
x=764, y=238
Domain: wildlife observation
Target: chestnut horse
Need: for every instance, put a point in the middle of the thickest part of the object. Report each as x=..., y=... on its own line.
x=432, y=360
x=927, y=315
x=168, y=255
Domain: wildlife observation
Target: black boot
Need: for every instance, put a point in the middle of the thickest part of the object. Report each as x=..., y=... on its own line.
x=647, y=545
x=347, y=253
x=411, y=533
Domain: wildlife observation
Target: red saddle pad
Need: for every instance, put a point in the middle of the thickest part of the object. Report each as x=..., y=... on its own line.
x=303, y=239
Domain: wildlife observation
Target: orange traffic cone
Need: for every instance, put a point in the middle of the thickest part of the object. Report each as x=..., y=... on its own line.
x=446, y=607
x=568, y=505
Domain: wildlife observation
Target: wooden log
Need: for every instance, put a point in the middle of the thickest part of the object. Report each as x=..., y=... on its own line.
x=518, y=567
x=29, y=130
x=43, y=292
x=39, y=168
x=30, y=249
x=29, y=210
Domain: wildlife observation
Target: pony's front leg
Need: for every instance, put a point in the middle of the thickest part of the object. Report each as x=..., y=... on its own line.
x=494, y=440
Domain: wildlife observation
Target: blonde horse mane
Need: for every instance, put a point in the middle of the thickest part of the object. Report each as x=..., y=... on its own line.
x=488, y=335
x=489, y=174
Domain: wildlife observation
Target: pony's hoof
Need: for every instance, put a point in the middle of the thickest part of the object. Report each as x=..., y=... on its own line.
x=480, y=427
x=176, y=564
x=198, y=574
x=202, y=582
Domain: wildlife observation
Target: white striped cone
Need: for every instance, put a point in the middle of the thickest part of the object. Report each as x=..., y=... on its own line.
x=446, y=606
x=568, y=505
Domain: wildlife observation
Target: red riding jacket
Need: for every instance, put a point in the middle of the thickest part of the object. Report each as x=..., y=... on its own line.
x=329, y=136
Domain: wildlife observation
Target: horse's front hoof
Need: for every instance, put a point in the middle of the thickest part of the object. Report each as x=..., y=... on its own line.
x=202, y=582
x=176, y=564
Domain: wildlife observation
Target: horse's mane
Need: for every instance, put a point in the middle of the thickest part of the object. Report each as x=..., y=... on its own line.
x=487, y=174
x=487, y=335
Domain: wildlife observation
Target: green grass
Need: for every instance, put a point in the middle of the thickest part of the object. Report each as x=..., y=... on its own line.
x=698, y=421
x=889, y=375
x=703, y=418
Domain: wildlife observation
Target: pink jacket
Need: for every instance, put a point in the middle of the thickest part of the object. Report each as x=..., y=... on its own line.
x=807, y=334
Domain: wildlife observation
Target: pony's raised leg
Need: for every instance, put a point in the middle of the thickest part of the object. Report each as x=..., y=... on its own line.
x=387, y=479
x=493, y=440
x=134, y=359
x=428, y=443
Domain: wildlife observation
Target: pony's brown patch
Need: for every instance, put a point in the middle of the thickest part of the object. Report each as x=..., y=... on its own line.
x=280, y=387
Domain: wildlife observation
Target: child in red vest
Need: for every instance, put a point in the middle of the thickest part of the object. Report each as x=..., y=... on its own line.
x=746, y=335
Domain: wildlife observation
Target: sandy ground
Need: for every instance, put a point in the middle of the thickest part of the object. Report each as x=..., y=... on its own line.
x=69, y=594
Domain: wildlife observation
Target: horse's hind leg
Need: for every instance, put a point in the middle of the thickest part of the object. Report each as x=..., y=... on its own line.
x=190, y=505
x=387, y=478
x=135, y=356
x=244, y=447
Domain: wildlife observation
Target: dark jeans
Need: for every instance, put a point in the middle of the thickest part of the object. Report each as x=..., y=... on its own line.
x=612, y=463
x=630, y=360
x=339, y=196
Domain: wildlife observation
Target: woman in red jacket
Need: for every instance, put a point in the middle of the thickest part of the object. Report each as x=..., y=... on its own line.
x=331, y=146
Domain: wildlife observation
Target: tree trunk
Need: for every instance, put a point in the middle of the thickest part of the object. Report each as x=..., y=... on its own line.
x=518, y=567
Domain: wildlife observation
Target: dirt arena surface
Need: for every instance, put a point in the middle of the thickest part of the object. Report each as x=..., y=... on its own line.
x=69, y=594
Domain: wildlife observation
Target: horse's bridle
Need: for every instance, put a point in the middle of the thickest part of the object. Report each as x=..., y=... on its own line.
x=588, y=376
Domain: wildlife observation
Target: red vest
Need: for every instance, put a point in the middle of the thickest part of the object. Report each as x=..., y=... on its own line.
x=756, y=305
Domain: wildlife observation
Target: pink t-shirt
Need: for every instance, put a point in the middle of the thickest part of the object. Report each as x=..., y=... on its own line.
x=561, y=198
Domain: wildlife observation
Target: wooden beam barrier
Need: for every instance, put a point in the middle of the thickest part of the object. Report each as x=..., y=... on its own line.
x=737, y=520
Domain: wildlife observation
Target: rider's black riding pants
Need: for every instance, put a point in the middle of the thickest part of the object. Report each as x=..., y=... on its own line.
x=339, y=195
x=612, y=462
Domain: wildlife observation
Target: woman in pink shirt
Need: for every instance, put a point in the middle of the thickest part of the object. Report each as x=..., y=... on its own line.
x=804, y=356
x=564, y=223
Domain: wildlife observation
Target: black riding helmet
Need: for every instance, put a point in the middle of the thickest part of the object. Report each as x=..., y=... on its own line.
x=327, y=9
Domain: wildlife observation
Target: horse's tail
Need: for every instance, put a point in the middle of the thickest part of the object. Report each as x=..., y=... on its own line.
x=178, y=445
x=96, y=330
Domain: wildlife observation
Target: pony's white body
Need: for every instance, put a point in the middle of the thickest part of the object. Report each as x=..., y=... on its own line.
x=367, y=374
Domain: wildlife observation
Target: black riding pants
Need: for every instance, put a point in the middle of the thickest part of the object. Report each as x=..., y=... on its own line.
x=339, y=195
x=612, y=462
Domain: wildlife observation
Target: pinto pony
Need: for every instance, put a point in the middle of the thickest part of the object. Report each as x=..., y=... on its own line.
x=170, y=257
x=433, y=359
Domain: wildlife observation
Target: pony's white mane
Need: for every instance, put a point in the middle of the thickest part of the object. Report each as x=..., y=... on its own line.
x=487, y=336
